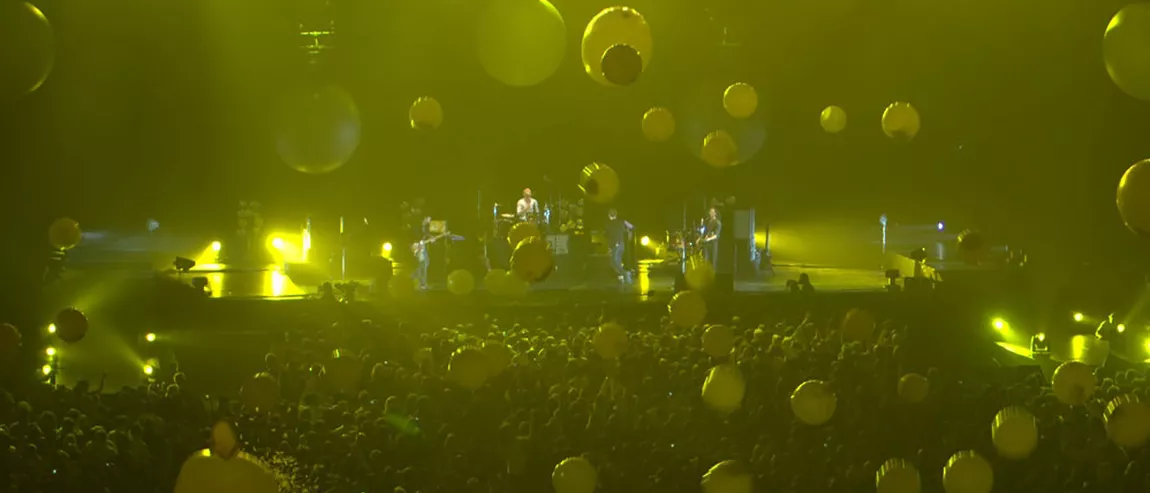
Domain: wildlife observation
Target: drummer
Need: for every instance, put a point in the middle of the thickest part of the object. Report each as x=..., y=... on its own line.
x=527, y=209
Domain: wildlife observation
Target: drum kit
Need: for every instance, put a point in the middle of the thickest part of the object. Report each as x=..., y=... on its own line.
x=684, y=243
x=563, y=216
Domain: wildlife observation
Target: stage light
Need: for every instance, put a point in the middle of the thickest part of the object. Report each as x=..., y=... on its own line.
x=216, y=246
x=1078, y=317
x=941, y=226
x=1121, y=328
x=183, y=264
x=51, y=351
x=278, y=243
x=646, y=240
x=150, y=337
x=387, y=248
x=46, y=369
x=999, y=324
x=51, y=328
x=149, y=370
x=1041, y=336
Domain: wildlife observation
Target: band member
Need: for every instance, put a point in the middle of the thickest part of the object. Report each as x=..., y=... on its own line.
x=618, y=231
x=419, y=249
x=527, y=209
x=712, y=228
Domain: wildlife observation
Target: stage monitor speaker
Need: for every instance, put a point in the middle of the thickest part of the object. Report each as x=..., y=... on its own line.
x=743, y=222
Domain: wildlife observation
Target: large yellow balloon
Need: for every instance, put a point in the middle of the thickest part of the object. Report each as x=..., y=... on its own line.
x=614, y=26
x=1074, y=383
x=858, y=325
x=498, y=356
x=687, y=309
x=532, y=260
x=833, y=119
x=261, y=393
x=574, y=475
x=1127, y=420
x=900, y=121
x=700, y=274
x=621, y=65
x=967, y=472
x=521, y=42
x=468, y=368
x=724, y=388
x=64, y=233
x=610, y=341
x=513, y=286
x=599, y=183
x=29, y=49
x=319, y=129
x=897, y=476
x=814, y=402
x=1124, y=48
x=205, y=472
x=493, y=281
x=1014, y=433
x=913, y=388
x=718, y=340
x=720, y=149
x=740, y=100
x=522, y=231
x=1134, y=198
x=426, y=114
x=658, y=124
x=729, y=476
x=460, y=282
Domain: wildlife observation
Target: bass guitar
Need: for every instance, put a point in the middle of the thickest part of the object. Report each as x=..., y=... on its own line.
x=419, y=247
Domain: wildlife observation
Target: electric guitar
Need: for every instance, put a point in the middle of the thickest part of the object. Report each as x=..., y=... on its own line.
x=419, y=247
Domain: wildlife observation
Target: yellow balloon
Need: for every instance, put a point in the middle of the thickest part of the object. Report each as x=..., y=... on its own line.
x=814, y=402
x=613, y=26
x=1127, y=420
x=967, y=472
x=858, y=325
x=729, y=476
x=740, y=100
x=260, y=393
x=900, y=121
x=833, y=119
x=521, y=42
x=224, y=441
x=30, y=49
x=599, y=183
x=522, y=231
x=1074, y=383
x=658, y=124
x=514, y=286
x=720, y=149
x=897, y=476
x=532, y=260
x=1134, y=198
x=700, y=274
x=687, y=309
x=913, y=388
x=1014, y=433
x=498, y=356
x=494, y=281
x=610, y=341
x=460, y=282
x=64, y=233
x=205, y=472
x=574, y=475
x=426, y=114
x=468, y=368
x=724, y=388
x=718, y=340
x=1124, y=48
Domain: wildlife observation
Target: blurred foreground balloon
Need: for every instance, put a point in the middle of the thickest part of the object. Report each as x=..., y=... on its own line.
x=658, y=124
x=897, y=476
x=614, y=26
x=1124, y=48
x=425, y=114
x=71, y=325
x=1134, y=198
x=967, y=472
x=858, y=325
x=740, y=100
x=319, y=129
x=610, y=341
x=1014, y=433
x=10, y=337
x=621, y=65
x=718, y=340
x=498, y=356
x=724, y=388
x=833, y=119
x=687, y=309
x=814, y=402
x=29, y=49
x=513, y=286
x=700, y=274
x=900, y=121
x=493, y=281
x=599, y=183
x=729, y=476
x=64, y=233
x=574, y=475
x=973, y=247
x=460, y=282
x=720, y=149
x=1074, y=383
x=225, y=441
x=205, y=472
x=522, y=231
x=1127, y=420
x=468, y=368
x=913, y=388
x=260, y=393
x=521, y=42
x=532, y=260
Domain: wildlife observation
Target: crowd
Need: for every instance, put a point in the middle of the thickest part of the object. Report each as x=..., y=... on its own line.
x=400, y=423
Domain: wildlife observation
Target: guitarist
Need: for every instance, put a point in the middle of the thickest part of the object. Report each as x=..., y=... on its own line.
x=712, y=228
x=419, y=250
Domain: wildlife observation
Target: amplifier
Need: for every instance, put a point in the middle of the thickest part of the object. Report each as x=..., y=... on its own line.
x=559, y=244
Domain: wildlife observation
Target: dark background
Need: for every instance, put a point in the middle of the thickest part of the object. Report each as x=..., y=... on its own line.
x=163, y=110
